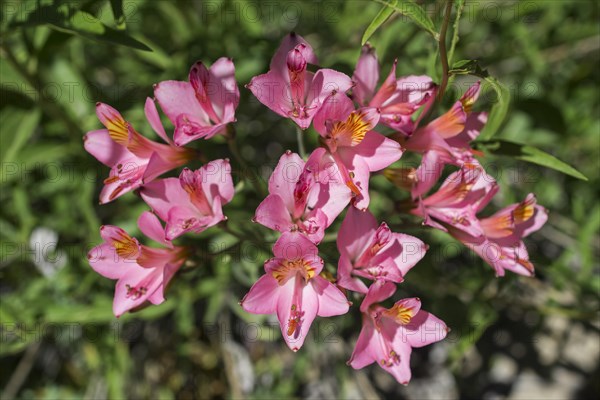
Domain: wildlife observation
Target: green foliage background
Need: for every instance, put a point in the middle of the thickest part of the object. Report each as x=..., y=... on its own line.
x=59, y=337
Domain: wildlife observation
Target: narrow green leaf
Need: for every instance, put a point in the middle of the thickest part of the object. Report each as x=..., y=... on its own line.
x=382, y=16
x=528, y=153
x=414, y=12
x=499, y=109
x=118, y=15
x=26, y=128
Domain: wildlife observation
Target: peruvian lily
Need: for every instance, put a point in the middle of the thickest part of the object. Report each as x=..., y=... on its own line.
x=372, y=251
x=133, y=159
x=446, y=139
x=293, y=288
x=462, y=195
x=289, y=89
x=193, y=202
x=298, y=202
x=388, y=336
x=142, y=272
x=352, y=145
x=501, y=244
x=202, y=107
x=397, y=99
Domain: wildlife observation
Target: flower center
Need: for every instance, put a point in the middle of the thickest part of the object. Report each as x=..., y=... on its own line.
x=288, y=269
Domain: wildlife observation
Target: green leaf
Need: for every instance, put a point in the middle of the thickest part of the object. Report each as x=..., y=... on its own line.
x=76, y=22
x=412, y=11
x=119, y=16
x=382, y=16
x=528, y=153
x=502, y=103
x=499, y=109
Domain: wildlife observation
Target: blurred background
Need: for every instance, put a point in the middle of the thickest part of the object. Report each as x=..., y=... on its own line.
x=512, y=337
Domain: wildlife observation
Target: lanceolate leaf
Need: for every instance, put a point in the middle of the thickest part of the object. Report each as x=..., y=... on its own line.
x=499, y=109
x=528, y=153
x=379, y=19
x=412, y=11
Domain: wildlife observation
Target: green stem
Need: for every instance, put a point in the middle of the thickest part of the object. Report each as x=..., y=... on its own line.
x=52, y=109
x=459, y=10
x=300, y=139
x=443, y=52
x=245, y=170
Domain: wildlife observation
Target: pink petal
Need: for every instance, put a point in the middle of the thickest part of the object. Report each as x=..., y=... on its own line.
x=345, y=278
x=151, y=227
x=227, y=94
x=367, y=348
x=413, y=250
x=289, y=42
x=331, y=300
x=262, y=297
x=154, y=119
x=104, y=149
x=356, y=232
x=336, y=107
x=135, y=277
x=284, y=178
x=366, y=75
x=273, y=214
x=378, y=291
x=291, y=294
x=104, y=260
x=176, y=98
x=217, y=181
x=164, y=194
x=378, y=151
x=272, y=91
x=423, y=329
x=293, y=246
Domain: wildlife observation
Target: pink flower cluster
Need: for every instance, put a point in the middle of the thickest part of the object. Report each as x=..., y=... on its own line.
x=192, y=202
x=306, y=196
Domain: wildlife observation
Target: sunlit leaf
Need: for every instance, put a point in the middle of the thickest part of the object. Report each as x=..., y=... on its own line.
x=528, y=153
x=414, y=12
x=382, y=16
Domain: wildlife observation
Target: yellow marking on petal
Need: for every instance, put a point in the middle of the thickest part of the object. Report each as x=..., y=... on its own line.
x=125, y=245
x=403, y=315
x=118, y=128
x=404, y=178
x=282, y=272
x=525, y=210
x=354, y=128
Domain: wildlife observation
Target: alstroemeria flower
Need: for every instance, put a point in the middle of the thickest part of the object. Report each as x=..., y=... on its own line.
x=397, y=99
x=501, y=244
x=462, y=195
x=293, y=288
x=298, y=202
x=446, y=139
x=133, y=159
x=353, y=145
x=193, y=202
x=202, y=107
x=142, y=272
x=388, y=336
x=289, y=89
x=372, y=251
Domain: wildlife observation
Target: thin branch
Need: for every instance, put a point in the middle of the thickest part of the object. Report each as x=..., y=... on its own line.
x=300, y=139
x=455, y=28
x=245, y=169
x=443, y=52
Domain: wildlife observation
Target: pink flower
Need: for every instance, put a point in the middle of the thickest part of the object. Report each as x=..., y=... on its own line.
x=397, y=99
x=202, y=107
x=298, y=202
x=389, y=335
x=133, y=159
x=193, y=202
x=289, y=89
x=501, y=244
x=372, y=251
x=446, y=139
x=293, y=288
x=142, y=272
x=352, y=145
x=462, y=195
